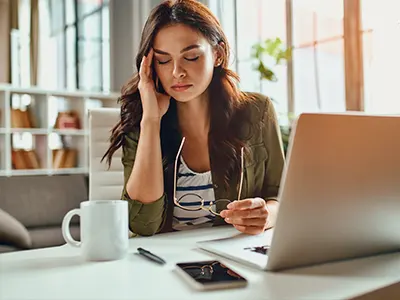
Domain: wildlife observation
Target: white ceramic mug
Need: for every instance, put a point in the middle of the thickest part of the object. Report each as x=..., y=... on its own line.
x=104, y=229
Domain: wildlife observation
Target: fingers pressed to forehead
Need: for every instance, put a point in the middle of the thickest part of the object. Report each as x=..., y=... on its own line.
x=142, y=71
x=149, y=62
x=150, y=54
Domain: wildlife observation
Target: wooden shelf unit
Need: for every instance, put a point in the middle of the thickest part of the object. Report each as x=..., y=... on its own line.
x=44, y=107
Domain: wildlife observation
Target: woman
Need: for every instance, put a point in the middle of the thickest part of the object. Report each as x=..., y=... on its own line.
x=189, y=137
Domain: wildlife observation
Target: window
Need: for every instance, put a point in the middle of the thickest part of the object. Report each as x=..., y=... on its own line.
x=92, y=41
x=318, y=56
x=80, y=34
x=73, y=51
x=318, y=52
x=256, y=21
x=381, y=48
x=317, y=38
x=20, y=68
x=20, y=43
x=226, y=13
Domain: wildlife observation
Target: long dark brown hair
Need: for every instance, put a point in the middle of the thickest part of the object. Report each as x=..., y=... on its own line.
x=226, y=100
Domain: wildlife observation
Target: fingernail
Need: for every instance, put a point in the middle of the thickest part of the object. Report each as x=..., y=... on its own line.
x=230, y=205
x=228, y=220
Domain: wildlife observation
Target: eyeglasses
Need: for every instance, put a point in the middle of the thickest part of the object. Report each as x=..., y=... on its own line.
x=201, y=271
x=207, y=271
x=186, y=202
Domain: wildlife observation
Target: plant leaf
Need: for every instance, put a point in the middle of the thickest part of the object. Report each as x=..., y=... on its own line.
x=257, y=51
x=265, y=72
x=273, y=48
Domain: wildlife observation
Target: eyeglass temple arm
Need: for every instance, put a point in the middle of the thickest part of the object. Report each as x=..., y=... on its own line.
x=241, y=172
x=241, y=168
x=176, y=165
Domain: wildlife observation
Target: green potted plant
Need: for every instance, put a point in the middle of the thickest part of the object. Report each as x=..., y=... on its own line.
x=276, y=53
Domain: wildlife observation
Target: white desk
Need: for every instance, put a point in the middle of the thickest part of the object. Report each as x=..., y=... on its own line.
x=59, y=273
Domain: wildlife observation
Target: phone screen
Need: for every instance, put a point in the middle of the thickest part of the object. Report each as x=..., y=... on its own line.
x=210, y=272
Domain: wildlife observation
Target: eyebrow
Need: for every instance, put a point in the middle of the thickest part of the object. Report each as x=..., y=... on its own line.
x=183, y=50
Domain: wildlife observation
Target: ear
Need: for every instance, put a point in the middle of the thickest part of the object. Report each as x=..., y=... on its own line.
x=219, y=54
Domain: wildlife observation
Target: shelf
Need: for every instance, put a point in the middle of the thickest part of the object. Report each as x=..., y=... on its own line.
x=41, y=131
x=45, y=107
x=69, y=93
x=45, y=131
x=70, y=131
x=47, y=171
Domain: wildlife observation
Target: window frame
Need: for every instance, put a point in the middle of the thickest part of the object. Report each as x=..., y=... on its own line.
x=352, y=35
x=78, y=19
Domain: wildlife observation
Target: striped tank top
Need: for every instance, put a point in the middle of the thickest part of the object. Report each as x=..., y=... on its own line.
x=200, y=184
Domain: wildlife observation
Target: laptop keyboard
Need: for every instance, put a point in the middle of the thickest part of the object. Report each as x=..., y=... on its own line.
x=260, y=249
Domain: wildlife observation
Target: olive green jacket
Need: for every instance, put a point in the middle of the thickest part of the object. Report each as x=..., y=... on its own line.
x=262, y=173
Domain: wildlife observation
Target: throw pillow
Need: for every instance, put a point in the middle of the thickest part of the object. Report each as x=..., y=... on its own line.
x=12, y=232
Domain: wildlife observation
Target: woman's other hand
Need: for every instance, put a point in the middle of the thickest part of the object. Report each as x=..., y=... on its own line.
x=251, y=216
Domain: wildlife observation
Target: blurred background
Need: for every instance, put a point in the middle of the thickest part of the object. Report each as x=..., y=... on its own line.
x=91, y=44
x=307, y=55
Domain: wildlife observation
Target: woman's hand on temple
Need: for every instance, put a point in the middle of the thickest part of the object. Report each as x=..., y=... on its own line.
x=251, y=216
x=155, y=104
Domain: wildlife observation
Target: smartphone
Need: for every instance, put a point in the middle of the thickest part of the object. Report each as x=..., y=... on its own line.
x=210, y=275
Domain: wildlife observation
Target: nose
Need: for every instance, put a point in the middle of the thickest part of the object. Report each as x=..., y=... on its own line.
x=178, y=71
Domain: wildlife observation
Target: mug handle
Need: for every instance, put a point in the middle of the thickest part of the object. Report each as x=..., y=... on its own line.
x=65, y=227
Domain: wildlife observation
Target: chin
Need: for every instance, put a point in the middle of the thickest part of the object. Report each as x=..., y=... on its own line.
x=182, y=97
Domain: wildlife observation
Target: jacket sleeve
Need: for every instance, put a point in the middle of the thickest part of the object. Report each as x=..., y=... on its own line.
x=144, y=219
x=275, y=162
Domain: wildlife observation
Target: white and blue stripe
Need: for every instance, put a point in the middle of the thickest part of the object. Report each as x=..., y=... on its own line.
x=200, y=184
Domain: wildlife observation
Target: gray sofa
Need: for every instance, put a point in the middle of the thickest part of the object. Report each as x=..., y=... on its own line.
x=32, y=209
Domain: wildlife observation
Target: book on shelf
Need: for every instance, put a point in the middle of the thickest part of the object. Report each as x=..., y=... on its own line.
x=24, y=159
x=22, y=118
x=64, y=158
x=67, y=120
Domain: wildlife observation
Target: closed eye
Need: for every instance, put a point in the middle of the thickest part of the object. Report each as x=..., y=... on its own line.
x=160, y=62
x=193, y=59
x=163, y=62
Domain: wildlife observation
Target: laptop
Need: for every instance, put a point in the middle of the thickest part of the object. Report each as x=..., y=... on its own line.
x=339, y=195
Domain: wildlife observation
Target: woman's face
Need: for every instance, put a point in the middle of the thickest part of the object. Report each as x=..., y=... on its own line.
x=184, y=62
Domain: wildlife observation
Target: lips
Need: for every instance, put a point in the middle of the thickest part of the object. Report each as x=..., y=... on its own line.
x=181, y=87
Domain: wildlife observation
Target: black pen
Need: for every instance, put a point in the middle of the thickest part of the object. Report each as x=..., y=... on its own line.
x=151, y=256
